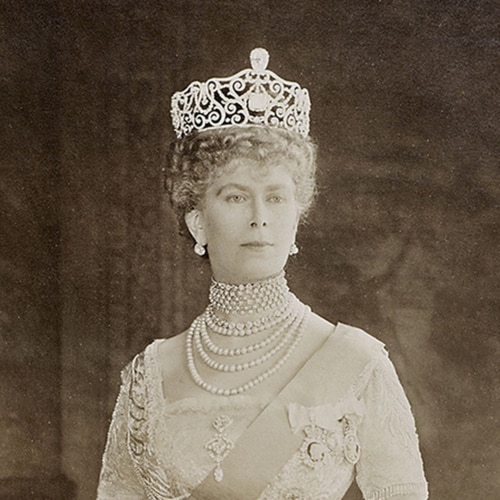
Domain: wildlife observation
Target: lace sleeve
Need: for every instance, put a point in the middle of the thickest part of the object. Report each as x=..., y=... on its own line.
x=390, y=463
x=118, y=479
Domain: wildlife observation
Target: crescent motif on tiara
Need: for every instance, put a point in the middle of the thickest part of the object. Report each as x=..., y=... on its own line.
x=253, y=96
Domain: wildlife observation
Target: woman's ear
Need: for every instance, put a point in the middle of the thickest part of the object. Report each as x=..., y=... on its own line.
x=297, y=221
x=195, y=225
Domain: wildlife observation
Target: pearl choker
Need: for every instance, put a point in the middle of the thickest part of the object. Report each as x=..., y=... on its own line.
x=241, y=329
x=249, y=298
x=283, y=324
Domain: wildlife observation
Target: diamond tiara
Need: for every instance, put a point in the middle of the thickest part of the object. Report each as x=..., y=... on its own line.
x=253, y=96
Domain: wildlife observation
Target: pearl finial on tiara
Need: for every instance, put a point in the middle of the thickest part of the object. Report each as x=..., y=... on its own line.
x=259, y=59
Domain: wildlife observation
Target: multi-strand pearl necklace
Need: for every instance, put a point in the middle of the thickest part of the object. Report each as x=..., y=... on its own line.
x=285, y=319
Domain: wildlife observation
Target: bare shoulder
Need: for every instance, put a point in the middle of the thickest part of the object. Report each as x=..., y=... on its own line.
x=317, y=331
x=351, y=341
x=320, y=326
x=171, y=354
x=358, y=338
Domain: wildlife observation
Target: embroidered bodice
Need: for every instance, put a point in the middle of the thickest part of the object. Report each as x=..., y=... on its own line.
x=158, y=449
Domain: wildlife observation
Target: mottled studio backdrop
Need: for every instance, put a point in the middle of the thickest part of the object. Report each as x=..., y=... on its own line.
x=403, y=240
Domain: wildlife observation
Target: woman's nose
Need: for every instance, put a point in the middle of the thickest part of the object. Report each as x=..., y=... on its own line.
x=257, y=224
x=259, y=215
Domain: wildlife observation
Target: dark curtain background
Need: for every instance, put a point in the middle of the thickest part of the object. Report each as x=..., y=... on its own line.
x=403, y=240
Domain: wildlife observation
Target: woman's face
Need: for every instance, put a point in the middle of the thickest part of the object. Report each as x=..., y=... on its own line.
x=248, y=220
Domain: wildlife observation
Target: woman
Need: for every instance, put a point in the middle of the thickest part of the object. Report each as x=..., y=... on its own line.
x=260, y=397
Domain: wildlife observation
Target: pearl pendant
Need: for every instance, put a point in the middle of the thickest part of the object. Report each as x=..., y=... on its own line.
x=218, y=473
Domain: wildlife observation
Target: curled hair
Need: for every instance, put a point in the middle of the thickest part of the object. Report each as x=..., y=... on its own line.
x=198, y=158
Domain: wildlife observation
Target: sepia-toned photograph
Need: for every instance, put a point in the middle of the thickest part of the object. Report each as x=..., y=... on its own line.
x=249, y=250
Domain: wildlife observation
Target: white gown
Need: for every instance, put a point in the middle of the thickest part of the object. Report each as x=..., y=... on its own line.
x=156, y=448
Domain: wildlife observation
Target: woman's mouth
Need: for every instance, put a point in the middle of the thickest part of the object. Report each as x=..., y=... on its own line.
x=257, y=244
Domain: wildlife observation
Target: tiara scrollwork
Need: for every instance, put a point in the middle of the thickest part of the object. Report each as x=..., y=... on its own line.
x=255, y=96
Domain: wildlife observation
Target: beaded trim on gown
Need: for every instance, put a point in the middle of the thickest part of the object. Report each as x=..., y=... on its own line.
x=159, y=449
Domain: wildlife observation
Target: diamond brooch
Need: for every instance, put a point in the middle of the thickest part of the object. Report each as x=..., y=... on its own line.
x=220, y=445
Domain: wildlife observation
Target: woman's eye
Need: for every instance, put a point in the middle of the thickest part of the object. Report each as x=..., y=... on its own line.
x=277, y=199
x=235, y=198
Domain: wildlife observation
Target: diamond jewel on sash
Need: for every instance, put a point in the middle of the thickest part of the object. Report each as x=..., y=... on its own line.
x=220, y=445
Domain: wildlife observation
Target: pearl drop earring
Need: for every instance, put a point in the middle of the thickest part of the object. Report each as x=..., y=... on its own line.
x=294, y=249
x=199, y=249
